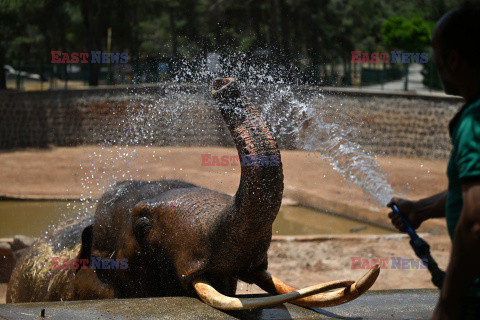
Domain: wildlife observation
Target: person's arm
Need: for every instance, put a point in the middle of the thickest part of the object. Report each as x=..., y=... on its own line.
x=418, y=211
x=464, y=266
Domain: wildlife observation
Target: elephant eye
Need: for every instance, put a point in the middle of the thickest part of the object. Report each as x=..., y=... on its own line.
x=141, y=228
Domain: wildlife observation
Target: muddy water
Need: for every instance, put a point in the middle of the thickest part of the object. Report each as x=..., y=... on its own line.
x=296, y=220
x=34, y=217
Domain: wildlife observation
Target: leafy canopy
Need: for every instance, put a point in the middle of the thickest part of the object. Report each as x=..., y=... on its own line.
x=406, y=34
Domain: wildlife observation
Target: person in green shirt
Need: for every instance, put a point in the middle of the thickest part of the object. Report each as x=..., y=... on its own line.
x=456, y=44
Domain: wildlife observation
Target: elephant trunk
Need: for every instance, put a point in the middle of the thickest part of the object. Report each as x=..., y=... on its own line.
x=259, y=195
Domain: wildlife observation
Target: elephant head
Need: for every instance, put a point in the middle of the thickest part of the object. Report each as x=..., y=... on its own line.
x=183, y=239
x=256, y=205
x=180, y=239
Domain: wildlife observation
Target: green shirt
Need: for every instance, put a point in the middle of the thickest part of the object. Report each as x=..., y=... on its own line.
x=464, y=164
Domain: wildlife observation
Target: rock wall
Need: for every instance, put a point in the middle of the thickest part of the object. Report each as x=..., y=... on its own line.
x=183, y=115
x=105, y=116
x=400, y=125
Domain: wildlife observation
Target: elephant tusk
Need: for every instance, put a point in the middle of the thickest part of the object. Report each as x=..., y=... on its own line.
x=274, y=285
x=212, y=297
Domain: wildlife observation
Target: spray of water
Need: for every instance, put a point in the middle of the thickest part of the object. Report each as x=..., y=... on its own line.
x=298, y=120
x=324, y=130
x=308, y=122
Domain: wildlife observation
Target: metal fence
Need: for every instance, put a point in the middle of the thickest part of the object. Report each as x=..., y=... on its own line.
x=73, y=76
x=69, y=76
x=375, y=76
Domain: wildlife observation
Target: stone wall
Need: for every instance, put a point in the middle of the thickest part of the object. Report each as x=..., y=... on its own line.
x=104, y=116
x=183, y=115
x=398, y=124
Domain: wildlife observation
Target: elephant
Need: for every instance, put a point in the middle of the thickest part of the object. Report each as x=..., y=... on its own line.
x=180, y=239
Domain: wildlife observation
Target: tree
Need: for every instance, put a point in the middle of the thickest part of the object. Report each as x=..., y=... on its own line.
x=408, y=35
x=7, y=31
x=283, y=34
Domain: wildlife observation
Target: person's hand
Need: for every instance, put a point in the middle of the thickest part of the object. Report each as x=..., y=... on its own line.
x=406, y=207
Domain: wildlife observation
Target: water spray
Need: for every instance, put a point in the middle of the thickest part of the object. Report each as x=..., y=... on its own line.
x=422, y=250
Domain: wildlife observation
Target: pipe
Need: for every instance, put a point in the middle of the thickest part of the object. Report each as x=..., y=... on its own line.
x=422, y=250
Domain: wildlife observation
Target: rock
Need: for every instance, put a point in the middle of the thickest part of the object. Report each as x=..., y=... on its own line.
x=21, y=242
x=5, y=248
x=289, y=202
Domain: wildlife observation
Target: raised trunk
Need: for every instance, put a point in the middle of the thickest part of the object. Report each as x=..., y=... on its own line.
x=259, y=195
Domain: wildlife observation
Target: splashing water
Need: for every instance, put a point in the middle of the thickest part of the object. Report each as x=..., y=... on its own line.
x=330, y=140
x=303, y=121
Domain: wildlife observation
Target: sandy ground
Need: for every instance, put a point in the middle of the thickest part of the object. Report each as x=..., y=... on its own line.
x=85, y=172
x=305, y=262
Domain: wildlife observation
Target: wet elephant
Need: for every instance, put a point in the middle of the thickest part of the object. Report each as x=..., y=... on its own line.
x=180, y=239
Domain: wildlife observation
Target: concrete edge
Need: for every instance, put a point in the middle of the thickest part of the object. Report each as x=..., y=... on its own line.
x=27, y=197
x=395, y=304
x=333, y=237
x=365, y=213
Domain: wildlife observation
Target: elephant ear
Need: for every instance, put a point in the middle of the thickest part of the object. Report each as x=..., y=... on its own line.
x=87, y=285
x=86, y=249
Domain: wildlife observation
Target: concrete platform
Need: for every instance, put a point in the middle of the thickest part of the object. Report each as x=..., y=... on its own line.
x=389, y=304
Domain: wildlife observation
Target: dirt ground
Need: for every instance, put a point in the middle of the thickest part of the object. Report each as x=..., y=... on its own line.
x=85, y=172
x=305, y=262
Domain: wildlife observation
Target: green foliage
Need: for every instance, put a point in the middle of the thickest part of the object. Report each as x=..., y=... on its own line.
x=303, y=34
x=410, y=35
